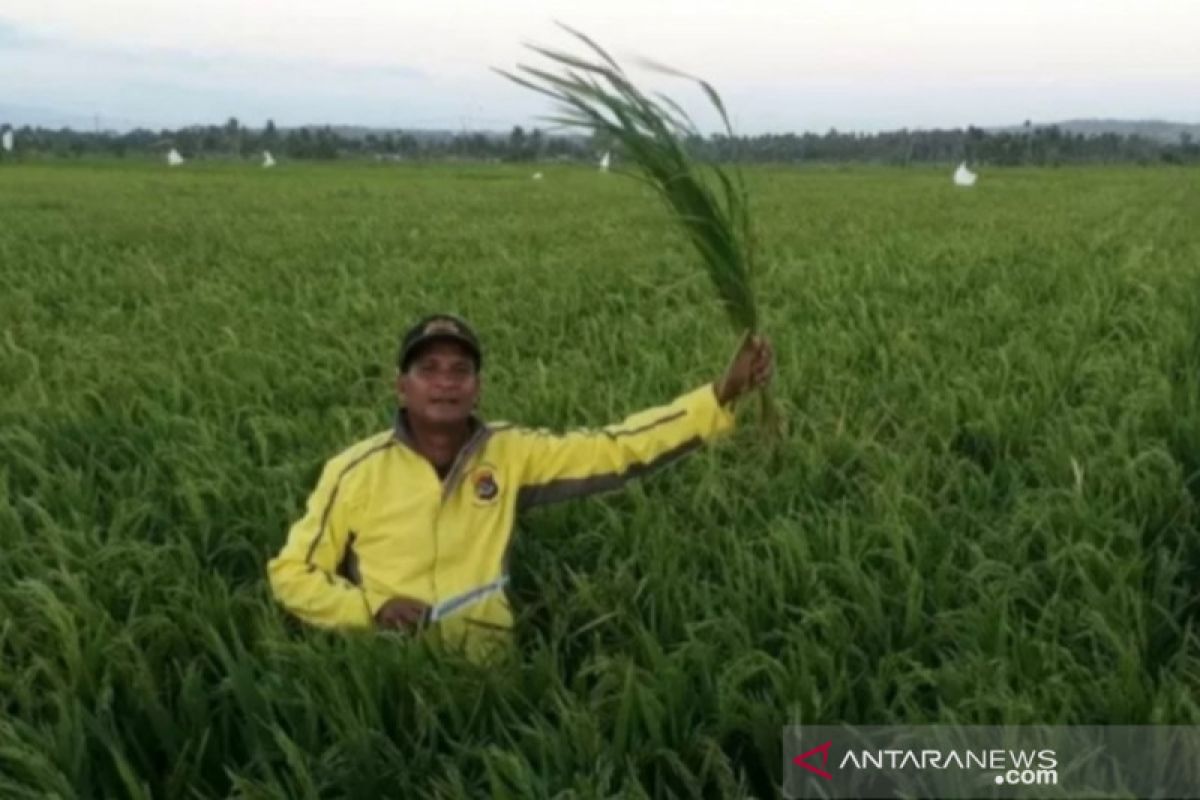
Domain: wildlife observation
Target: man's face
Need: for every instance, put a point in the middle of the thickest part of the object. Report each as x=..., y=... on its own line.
x=441, y=385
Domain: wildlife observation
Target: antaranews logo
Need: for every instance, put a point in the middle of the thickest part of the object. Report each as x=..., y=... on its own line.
x=880, y=762
x=993, y=760
x=802, y=760
x=1010, y=767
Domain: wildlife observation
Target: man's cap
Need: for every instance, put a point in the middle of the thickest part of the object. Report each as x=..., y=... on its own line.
x=439, y=327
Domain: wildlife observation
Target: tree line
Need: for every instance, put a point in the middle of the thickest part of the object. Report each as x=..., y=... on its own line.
x=1029, y=145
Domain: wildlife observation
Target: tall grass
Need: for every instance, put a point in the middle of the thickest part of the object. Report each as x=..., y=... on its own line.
x=986, y=511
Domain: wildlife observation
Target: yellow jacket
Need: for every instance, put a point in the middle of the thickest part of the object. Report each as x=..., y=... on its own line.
x=380, y=522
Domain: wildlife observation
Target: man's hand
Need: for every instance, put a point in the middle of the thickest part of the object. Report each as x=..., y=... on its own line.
x=401, y=613
x=751, y=368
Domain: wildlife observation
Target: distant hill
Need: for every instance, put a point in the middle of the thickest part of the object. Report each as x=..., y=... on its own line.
x=1155, y=129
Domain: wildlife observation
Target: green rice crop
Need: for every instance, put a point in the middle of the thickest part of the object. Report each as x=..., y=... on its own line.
x=985, y=510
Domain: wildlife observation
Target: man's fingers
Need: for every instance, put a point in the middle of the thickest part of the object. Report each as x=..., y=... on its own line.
x=401, y=614
x=756, y=362
x=764, y=371
x=399, y=622
x=412, y=614
x=750, y=369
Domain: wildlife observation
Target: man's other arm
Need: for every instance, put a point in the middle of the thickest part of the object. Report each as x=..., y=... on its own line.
x=304, y=575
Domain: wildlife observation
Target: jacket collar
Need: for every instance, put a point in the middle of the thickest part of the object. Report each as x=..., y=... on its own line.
x=480, y=432
x=402, y=432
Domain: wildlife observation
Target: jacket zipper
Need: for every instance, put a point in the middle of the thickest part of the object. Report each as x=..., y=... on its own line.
x=448, y=485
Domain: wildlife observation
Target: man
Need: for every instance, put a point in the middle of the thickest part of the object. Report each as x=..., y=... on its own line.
x=412, y=527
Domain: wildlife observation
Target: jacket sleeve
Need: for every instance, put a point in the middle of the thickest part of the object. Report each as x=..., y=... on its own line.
x=304, y=575
x=581, y=463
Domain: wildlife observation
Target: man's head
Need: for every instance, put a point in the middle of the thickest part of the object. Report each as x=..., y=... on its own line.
x=439, y=379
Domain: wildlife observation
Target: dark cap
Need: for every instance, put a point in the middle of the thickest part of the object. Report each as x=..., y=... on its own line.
x=439, y=327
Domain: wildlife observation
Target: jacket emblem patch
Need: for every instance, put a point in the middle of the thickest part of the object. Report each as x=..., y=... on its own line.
x=485, y=486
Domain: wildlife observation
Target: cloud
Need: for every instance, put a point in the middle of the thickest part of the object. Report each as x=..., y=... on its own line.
x=13, y=35
x=227, y=62
x=197, y=61
x=864, y=66
x=130, y=86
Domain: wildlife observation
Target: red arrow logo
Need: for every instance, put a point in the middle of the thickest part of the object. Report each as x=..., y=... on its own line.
x=800, y=761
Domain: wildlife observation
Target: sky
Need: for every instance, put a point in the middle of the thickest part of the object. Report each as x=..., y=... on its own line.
x=780, y=65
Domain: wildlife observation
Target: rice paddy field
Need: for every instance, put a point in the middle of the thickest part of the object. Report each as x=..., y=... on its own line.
x=984, y=509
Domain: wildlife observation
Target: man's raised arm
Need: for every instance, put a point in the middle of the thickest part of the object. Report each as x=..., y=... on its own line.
x=581, y=463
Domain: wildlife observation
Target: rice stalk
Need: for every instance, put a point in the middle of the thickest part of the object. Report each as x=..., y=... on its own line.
x=594, y=94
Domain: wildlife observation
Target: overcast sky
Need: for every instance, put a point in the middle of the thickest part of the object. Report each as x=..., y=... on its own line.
x=780, y=64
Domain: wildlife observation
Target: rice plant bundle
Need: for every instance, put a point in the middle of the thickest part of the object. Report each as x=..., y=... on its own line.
x=594, y=94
